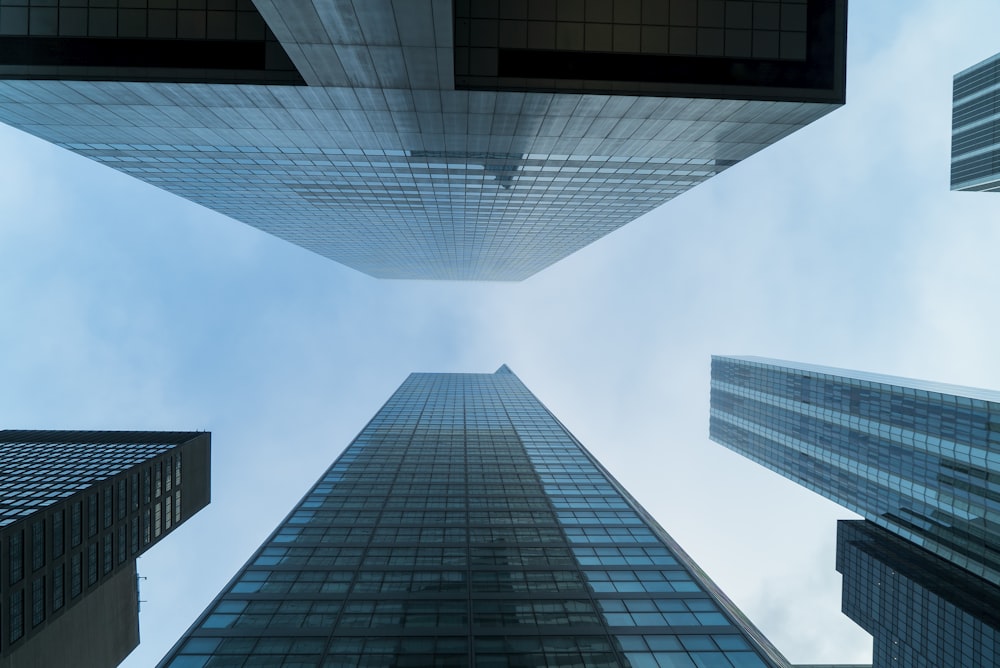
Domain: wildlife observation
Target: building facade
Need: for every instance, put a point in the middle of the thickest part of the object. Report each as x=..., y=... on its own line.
x=975, y=128
x=921, y=610
x=76, y=510
x=919, y=461
x=465, y=526
x=425, y=139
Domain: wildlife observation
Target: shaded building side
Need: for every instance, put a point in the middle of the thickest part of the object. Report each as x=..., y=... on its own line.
x=921, y=610
x=466, y=526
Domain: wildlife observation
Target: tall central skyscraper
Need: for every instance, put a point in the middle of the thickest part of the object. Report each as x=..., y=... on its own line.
x=920, y=461
x=481, y=139
x=465, y=526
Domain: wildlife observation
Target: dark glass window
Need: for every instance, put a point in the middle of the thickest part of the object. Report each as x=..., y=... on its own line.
x=135, y=536
x=57, y=587
x=38, y=601
x=37, y=544
x=134, y=483
x=108, y=553
x=16, y=615
x=16, y=557
x=57, y=533
x=122, y=544
x=109, y=496
x=158, y=479
x=92, y=515
x=121, y=498
x=75, y=523
x=76, y=575
x=91, y=564
x=146, y=484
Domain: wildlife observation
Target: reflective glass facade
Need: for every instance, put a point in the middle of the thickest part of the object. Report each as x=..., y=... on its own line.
x=465, y=526
x=919, y=460
x=975, y=128
x=390, y=160
x=921, y=610
x=76, y=510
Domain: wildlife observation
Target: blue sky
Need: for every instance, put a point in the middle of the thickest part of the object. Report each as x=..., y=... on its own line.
x=126, y=307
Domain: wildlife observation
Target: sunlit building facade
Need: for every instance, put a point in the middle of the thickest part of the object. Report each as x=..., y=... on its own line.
x=76, y=510
x=975, y=128
x=465, y=526
x=920, y=461
x=425, y=139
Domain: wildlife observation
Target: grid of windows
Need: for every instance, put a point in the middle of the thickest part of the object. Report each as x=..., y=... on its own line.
x=455, y=517
x=975, y=128
x=382, y=164
x=921, y=610
x=42, y=471
x=65, y=530
x=218, y=41
x=920, y=459
x=487, y=31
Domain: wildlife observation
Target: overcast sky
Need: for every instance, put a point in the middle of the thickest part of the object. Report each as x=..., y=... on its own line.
x=125, y=307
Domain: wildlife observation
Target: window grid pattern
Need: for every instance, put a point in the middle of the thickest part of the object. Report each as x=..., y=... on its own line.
x=61, y=518
x=442, y=537
x=439, y=184
x=922, y=461
x=213, y=41
x=921, y=610
x=975, y=128
x=758, y=29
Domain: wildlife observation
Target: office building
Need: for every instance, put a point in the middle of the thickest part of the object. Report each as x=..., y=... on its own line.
x=920, y=461
x=428, y=138
x=920, y=609
x=975, y=128
x=465, y=526
x=76, y=510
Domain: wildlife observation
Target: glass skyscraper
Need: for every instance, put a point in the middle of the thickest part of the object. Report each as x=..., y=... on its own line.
x=920, y=461
x=920, y=609
x=975, y=127
x=427, y=138
x=76, y=510
x=465, y=526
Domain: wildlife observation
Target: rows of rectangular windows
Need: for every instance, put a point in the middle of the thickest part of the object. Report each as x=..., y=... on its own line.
x=907, y=407
x=64, y=468
x=424, y=652
x=442, y=556
x=635, y=581
x=316, y=614
x=398, y=484
x=39, y=549
x=662, y=612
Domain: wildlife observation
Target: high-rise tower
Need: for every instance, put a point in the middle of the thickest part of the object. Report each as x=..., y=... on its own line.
x=426, y=138
x=465, y=526
x=975, y=127
x=76, y=510
x=920, y=461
